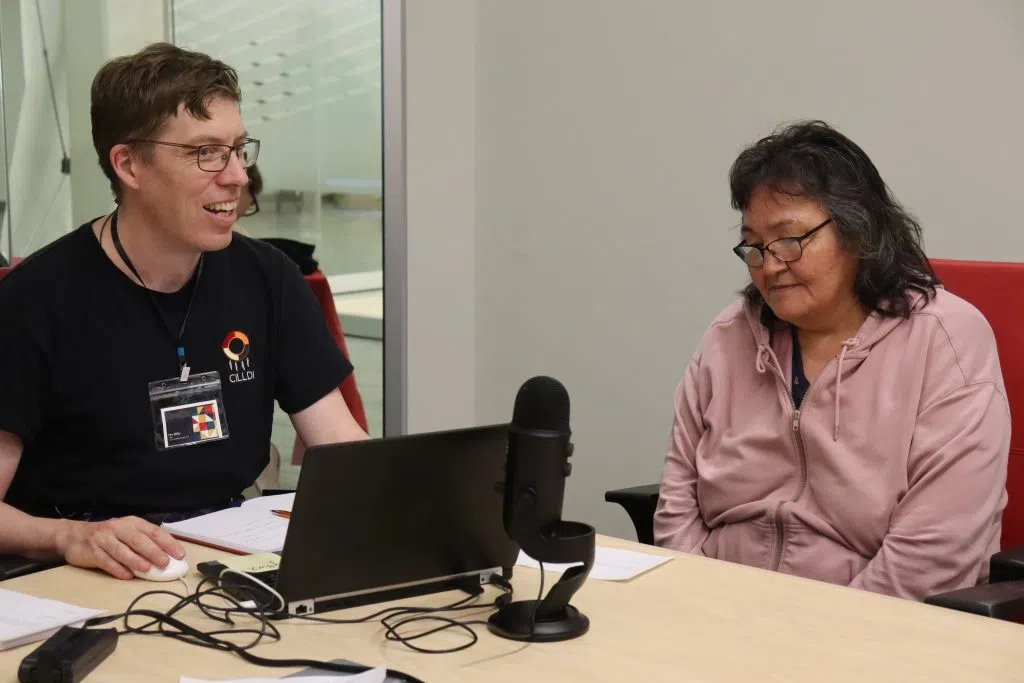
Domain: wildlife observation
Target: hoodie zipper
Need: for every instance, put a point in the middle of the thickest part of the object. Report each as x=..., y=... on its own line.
x=798, y=437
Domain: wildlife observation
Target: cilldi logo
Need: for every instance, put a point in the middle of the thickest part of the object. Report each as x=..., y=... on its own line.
x=236, y=348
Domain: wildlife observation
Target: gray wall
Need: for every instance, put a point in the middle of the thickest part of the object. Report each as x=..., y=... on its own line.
x=599, y=142
x=440, y=165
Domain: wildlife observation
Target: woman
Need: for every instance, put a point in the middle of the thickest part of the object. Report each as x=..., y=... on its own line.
x=846, y=421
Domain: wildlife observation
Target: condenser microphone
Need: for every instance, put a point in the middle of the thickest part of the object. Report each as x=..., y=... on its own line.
x=538, y=459
x=537, y=465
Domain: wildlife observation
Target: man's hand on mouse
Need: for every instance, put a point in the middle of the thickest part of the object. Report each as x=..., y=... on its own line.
x=118, y=546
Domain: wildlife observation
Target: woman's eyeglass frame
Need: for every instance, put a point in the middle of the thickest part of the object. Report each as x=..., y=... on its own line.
x=746, y=252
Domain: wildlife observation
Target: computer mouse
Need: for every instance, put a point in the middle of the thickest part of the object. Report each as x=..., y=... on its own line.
x=174, y=570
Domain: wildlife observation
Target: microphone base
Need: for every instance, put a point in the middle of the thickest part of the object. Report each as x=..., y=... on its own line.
x=516, y=621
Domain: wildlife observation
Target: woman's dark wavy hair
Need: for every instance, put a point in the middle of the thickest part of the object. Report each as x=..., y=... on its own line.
x=812, y=159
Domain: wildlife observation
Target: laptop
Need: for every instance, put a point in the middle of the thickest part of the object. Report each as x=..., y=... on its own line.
x=389, y=518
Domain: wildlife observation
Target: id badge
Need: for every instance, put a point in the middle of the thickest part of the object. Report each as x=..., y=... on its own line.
x=187, y=413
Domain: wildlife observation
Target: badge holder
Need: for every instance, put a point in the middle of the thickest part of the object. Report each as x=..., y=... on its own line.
x=187, y=412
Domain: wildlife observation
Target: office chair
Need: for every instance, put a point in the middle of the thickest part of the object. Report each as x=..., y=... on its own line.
x=986, y=284
x=349, y=391
x=322, y=289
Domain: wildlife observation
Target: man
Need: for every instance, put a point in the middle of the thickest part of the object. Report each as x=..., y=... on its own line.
x=141, y=354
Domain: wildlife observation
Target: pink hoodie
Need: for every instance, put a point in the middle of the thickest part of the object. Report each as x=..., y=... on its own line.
x=890, y=478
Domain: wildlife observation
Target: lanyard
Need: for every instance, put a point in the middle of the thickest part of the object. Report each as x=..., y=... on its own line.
x=183, y=367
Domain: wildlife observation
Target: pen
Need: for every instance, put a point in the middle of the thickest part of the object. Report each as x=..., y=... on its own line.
x=282, y=513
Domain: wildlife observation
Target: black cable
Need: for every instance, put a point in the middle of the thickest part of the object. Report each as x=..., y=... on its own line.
x=540, y=594
x=417, y=614
x=65, y=165
x=408, y=615
x=166, y=620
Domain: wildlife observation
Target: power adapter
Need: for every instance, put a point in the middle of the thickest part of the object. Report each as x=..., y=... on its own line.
x=68, y=656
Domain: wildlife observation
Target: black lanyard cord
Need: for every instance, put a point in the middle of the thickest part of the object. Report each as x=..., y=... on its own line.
x=182, y=363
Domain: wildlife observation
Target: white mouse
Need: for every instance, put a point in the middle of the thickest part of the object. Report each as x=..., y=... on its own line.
x=174, y=570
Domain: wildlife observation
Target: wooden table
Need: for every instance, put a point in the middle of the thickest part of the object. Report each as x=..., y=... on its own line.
x=691, y=619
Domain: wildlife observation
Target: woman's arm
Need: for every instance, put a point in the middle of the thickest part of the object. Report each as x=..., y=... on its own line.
x=948, y=522
x=677, y=521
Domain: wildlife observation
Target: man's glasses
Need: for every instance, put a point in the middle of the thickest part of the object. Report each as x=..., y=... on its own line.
x=214, y=158
x=785, y=249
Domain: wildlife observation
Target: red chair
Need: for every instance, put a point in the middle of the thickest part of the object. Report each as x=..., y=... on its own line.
x=349, y=391
x=990, y=286
x=6, y=269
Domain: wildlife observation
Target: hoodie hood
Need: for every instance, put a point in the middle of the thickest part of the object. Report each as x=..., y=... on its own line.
x=874, y=329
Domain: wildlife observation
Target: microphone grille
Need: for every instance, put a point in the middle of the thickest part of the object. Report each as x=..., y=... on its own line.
x=542, y=403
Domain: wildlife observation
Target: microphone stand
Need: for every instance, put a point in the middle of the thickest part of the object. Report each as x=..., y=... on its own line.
x=551, y=618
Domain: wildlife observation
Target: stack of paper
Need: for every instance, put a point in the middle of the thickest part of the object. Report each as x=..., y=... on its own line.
x=249, y=528
x=610, y=564
x=26, y=618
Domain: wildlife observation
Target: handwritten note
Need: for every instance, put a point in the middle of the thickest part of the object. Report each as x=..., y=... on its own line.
x=26, y=618
x=253, y=564
x=610, y=564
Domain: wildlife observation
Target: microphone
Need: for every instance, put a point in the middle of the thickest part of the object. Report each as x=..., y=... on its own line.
x=537, y=465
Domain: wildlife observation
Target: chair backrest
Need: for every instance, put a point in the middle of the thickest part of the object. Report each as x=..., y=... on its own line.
x=322, y=289
x=991, y=287
x=6, y=269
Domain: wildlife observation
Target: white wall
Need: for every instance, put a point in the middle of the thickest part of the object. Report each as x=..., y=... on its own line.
x=603, y=132
x=40, y=196
x=44, y=203
x=10, y=97
x=96, y=31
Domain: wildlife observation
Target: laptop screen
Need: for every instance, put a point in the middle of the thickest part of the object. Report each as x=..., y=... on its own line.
x=387, y=512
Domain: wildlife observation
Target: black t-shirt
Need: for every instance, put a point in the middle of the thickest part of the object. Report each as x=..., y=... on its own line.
x=80, y=343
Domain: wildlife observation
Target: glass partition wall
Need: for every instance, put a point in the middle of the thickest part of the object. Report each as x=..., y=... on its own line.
x=311, y=73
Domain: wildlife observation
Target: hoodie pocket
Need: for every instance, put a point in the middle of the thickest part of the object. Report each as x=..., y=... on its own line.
x=748, y=542
x=814, y=556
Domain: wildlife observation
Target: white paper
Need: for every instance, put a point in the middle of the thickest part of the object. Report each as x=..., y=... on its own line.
x=27, y=618
x=610, y=564
x=281, y=501
x=245, y=530
x=372, y=676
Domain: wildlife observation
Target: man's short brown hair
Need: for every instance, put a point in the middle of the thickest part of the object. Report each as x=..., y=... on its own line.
x=134, y=95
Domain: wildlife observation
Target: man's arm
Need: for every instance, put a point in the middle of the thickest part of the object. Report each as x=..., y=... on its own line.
x=116, y=546
x=22, y=534
x=327, y=421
